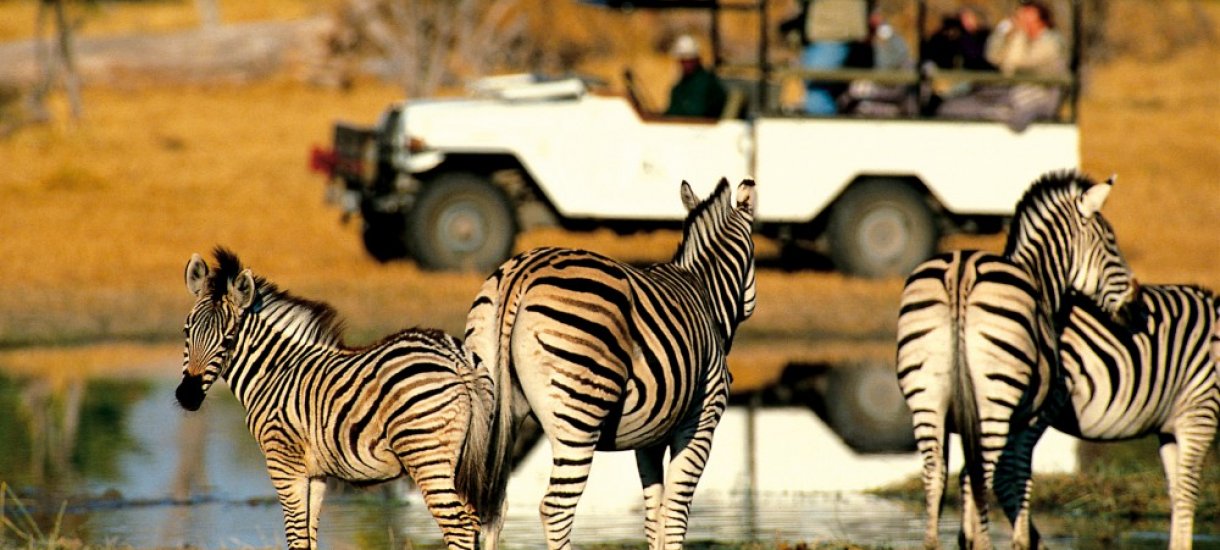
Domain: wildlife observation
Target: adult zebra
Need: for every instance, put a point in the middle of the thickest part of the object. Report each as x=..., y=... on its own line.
x=977, y=346
x=1158, y=376
x=412, y=403
x=608, y=356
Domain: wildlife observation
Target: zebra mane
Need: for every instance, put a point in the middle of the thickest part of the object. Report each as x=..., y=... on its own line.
x=1049, y=189
x=720, y=199
x=324, y=319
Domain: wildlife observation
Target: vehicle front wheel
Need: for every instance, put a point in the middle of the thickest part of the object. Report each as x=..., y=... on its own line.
x=881, y=228
x=382, y=234
x=461, y=222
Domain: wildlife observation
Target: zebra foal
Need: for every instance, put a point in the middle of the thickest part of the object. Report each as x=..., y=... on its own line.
x=1156, y=377
x=977, y=346
x=609, y=357
x=411, y=404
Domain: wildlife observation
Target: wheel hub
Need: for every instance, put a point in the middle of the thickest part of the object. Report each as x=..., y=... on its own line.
x=883, y=233
x=462, y=228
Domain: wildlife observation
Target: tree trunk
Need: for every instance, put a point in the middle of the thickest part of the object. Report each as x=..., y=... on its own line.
x=68, y=57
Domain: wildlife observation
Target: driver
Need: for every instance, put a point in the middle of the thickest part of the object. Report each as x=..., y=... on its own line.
x=698, y=93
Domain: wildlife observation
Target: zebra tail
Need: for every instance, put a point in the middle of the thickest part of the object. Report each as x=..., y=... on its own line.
x=488, y=349
x=471, y=479
x=964, y=404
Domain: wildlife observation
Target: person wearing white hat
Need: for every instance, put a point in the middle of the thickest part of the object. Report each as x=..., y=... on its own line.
x=698, y=93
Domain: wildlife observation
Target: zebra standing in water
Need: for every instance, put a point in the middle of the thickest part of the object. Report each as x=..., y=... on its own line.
x=612, y=357
x=1158, y=376
x=977, y=346
x=410, y=404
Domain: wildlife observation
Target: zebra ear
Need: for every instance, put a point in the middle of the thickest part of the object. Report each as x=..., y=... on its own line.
x=747, y=198
x=242, y=290
x=689, y=199
x=1093, y=199
x=196, y=275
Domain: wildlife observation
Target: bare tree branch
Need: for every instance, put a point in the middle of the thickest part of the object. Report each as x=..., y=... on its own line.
x=426, y=44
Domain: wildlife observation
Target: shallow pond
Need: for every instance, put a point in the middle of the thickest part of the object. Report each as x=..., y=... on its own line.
x=132, y=469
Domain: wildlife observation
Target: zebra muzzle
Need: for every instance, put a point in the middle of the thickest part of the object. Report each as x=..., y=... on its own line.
x=190, y=392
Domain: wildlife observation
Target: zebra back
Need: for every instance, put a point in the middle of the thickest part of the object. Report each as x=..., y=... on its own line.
x=1126, y=381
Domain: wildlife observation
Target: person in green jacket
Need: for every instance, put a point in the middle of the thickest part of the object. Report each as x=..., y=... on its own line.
x=699, y=92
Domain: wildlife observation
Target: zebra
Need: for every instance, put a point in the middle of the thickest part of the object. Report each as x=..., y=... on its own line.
x=977, y=345
x=412, y=403
x=1158, y=376
x=608, y=357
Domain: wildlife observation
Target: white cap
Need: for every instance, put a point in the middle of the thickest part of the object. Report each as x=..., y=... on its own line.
x=685, y=47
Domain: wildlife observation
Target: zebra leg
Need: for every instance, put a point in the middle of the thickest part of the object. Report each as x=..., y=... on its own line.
x=650, y=462
x=570, y=467
x=974, y=533
x=1014, y=484
x=317, y=490
x=930, y=437
x=456, y=518
x=296, y=493
x=1182, y=455
x=689, y=453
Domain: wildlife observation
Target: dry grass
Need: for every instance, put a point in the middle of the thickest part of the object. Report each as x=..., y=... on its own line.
x=99, y=220
x=155, y=16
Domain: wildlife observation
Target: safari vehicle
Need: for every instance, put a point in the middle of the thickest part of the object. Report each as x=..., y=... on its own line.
x=445, y=180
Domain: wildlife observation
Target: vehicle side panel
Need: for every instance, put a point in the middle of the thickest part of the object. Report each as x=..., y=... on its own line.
x=970, y=167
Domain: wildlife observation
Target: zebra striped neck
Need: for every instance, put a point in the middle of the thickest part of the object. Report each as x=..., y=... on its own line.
x=301, y=321
x=293, y=326
x=716, y=244
x=1040, y=235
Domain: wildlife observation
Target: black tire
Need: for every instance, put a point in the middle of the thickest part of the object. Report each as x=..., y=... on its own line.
x=461, y=222
x=382, y=234
x=865, y=407
x=881, y=228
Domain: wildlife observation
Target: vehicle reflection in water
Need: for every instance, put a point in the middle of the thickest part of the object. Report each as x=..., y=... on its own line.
x=135, y=470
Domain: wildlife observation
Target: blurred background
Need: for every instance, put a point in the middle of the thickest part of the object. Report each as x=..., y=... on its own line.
x=134, y=133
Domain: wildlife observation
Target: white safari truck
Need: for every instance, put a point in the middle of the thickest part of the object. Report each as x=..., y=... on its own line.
x=443, y=180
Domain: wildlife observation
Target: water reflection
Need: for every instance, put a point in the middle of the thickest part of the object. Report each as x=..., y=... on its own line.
x=137, y=471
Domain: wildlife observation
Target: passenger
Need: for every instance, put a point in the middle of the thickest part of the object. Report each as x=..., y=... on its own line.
x=831, y=26
x=888, y=51
x=1025, y=45
x=698, y=92
x=960, y=42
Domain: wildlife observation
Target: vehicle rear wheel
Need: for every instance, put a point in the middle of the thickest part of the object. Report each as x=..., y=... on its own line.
x=461, y=222
x=881, y=228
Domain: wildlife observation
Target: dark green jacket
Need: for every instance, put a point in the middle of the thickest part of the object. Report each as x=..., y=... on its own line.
x=698, y=94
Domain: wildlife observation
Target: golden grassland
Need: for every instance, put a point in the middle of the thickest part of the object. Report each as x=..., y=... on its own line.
x=97, y=220
x=152, y=16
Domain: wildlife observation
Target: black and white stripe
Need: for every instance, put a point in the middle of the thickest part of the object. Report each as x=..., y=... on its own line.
x=977, y=350
x=1155, y=377
x=608, y=356
x=411, y=404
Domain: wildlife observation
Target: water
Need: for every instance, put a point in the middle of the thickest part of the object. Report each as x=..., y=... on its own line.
x=138, y=471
